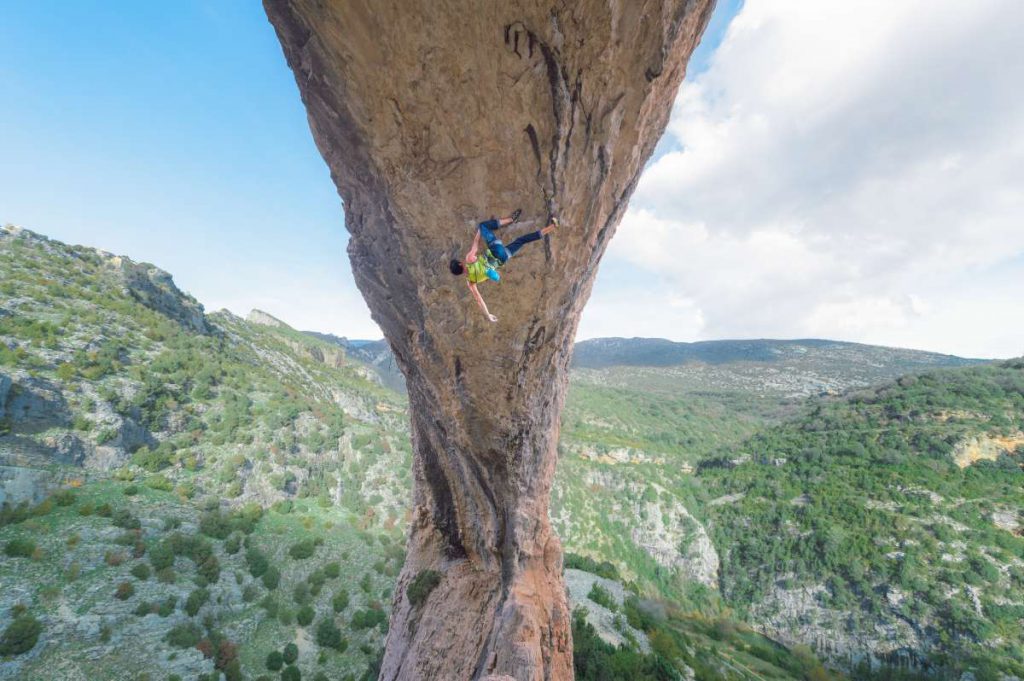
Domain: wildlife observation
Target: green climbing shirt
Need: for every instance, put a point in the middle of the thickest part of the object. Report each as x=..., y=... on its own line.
x=476, y=271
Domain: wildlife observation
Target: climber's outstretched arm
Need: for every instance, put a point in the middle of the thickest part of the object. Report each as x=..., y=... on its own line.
x=471, y=253
x=480, y=301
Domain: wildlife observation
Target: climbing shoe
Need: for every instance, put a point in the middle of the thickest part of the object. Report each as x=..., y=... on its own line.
x=515, y=214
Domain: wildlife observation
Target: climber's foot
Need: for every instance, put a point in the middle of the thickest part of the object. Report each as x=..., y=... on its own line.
x=554, y=224
x=515, y=215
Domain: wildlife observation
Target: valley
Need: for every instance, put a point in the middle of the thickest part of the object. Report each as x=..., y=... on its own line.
x=187, y=495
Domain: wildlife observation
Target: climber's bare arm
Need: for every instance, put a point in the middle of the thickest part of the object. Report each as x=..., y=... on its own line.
x=471, y=254
x=480, y=301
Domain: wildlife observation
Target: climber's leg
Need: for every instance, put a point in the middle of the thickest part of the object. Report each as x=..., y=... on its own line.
x=494, y=244
x=514, y=247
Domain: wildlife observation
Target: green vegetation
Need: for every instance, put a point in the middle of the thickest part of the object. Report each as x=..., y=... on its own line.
x=870, y=502
x=20, y=548
x=302, y=549
x=328, y=635
x=832, y=496
x=20, y=636
x=602, y=596
x=420, y=587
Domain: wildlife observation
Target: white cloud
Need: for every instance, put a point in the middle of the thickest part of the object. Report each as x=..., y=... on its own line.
x=845, y=170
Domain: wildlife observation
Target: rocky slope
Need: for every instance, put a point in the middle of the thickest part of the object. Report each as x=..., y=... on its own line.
x=551, y=107
x=691, y=504
x=246, y=439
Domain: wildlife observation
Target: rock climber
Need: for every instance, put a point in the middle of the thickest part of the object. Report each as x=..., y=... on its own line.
x=479, y=267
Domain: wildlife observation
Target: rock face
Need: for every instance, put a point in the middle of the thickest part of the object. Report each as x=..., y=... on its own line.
x=433, y=115
x=261, y=317
x=155, y=289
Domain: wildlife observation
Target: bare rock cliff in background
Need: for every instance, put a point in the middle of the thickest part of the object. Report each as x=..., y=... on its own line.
x=432, y=115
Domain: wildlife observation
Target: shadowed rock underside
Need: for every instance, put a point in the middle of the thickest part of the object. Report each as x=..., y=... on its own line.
x=433, y=115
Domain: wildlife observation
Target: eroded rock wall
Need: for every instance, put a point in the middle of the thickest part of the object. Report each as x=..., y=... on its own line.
x=432, y=115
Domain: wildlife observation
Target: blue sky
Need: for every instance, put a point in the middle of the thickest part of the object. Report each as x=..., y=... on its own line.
x=828, y=172
x=174, y=133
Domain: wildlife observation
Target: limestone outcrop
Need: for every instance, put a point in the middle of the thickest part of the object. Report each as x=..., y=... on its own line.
x=432, y=115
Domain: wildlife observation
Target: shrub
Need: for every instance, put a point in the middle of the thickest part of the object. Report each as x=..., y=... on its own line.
x=300, y=594
x=195, y=601
x=113, y=558
x=152, y=460
x=271, y=578
x=227, y=653
x=305, y=615
x=66, y=371
x=290, y=653
x=233, y=543
x=20, y=636
x=257, y=561
x=131, y=490
x=587, y=564
x=291, y=673
x=185, y=635
x=301, y=550
x=328, y=635
x=166, y=576
x=340, y=601
x=161, y=556
x=140, y=571
x=20, y=548
x=269, y=603
x=125, y=590
x=64, y=497
x=125, y=520
x=166, y=608
x=332, y=570
x=421, y=586
x=215, y=524
x=209, y=569
x=274, y=661
x=367, y=619
x=602, y=596
x=233, y=671
x=159, y=482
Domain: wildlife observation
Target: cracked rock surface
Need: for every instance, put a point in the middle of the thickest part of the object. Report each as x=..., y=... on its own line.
x=433, y=115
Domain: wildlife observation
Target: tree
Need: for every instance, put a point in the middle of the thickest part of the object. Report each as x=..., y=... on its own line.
x=20, y=636
x=275, y=661
x=291, y=653
x=195, y=601
x=328, y=635
x=271, y=578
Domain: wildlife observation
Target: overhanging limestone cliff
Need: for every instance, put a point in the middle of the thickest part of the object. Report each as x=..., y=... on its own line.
x=433, y=114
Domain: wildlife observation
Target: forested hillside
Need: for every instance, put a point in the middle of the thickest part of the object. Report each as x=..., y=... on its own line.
x=887, y=521
x=187, y=495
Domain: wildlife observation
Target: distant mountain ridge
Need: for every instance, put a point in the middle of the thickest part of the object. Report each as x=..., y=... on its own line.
x=599, y=353
x=791, y=368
